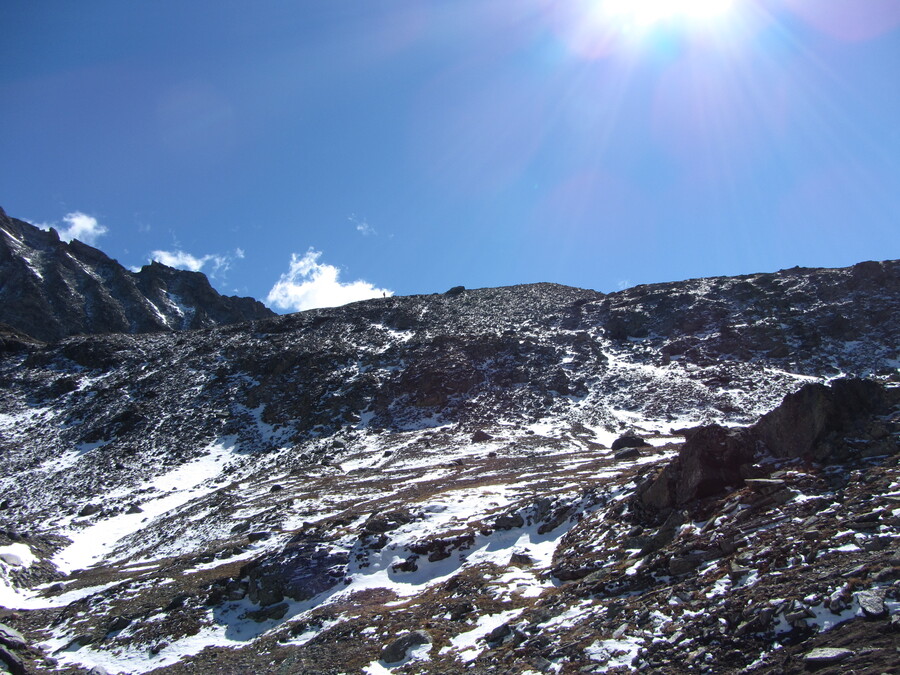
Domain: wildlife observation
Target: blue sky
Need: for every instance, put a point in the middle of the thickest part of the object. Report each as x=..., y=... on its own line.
x=313, y=152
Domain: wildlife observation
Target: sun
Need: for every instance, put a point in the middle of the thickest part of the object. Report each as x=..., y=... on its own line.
x=596, y=29
x=646, y=14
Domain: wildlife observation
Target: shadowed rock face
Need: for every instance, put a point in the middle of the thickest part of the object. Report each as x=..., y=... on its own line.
x=50, y=289
x=811, y=423
x=823, y=423
x=712, y=459
x=302, y=571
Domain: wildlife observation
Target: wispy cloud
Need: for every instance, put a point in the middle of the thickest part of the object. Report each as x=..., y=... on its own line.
x=216, y=263
x=309, y=284
x=362, y=226
x=81, y=226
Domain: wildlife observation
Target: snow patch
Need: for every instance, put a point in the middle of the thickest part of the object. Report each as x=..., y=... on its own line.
x=96, y=542
x=17, y=555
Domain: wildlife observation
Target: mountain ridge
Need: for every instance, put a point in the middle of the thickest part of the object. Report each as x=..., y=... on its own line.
x=50, y=289
x=534, y=478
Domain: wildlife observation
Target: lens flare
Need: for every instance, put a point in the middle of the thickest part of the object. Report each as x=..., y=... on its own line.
x=599, y=28
x=638, y=14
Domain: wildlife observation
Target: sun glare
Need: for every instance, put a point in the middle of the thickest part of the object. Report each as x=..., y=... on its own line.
x=644, y=14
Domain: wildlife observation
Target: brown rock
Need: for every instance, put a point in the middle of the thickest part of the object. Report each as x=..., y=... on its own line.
x=711, y=459
x=808, y=422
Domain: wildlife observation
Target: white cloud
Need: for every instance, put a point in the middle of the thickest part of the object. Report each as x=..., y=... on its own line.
x=362, y=226
x=218, y=264
x=310, y=284
x=179, y=259
x=82, y=227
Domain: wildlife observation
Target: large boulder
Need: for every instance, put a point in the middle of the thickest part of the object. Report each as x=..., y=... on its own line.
x=629, y=441
x=398, y=649
x=301, y=571
x=816, y=422
x=712, y=459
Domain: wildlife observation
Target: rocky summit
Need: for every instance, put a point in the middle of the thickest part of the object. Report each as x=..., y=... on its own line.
x=50, y=289
x=692, y=477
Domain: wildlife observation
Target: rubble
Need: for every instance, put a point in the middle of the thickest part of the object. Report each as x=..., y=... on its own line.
x=300, y=493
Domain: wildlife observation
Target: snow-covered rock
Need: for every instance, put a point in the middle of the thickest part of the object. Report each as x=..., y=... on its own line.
x=296, y=493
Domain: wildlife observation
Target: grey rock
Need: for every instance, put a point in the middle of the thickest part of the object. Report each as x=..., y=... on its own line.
x=13, y=662
x=273, y=612
x=627, y=453
x=872, y=603
x=823, y=655
x=508, y=521
x=766, y=486
x=541, y=664
x=10, y=637
x=687, y=563
x=396, y=651
x=797, y=615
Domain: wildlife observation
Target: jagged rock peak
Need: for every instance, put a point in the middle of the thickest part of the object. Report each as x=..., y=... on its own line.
x=50, y=289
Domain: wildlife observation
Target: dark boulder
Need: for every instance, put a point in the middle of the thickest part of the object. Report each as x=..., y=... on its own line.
x=710, y=460
x=627, y=453
x=814, y=422
x=301, y=571
x=508, y=521
x=272, y=612
x=13, y=662
x=629, y=441
x=89, y=510
x=817, y=422
x=379, y=523
x=397, y=650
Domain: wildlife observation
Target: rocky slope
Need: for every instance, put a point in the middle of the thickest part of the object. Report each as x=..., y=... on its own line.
x=50, y=289
x=680, y=477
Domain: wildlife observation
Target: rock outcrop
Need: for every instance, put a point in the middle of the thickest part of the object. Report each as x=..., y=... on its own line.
x=50, y=289
x=846, y=419
x=815, y=422
x=711, y=460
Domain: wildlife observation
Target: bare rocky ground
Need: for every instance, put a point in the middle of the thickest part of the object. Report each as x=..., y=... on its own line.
x=507, y=480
